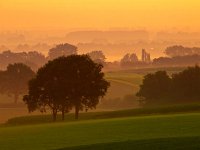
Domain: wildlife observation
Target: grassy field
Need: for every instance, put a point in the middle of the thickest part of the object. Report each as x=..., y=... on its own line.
x=176, y=143
x=40, y=119
x=122, y=84
x=163, y=128
x=174, y=132
x=125, y=77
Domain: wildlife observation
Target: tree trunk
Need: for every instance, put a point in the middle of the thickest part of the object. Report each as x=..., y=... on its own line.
x=76, y=111
x=54, y=115
x=16, y=97
x=63, y=114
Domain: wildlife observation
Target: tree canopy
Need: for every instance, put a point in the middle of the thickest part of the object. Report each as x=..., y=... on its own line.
x=182, y=87
x=67, y=82
x=155, y=87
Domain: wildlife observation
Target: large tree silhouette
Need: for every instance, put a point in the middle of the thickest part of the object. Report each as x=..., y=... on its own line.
x=186, y=85
x=14, y=80
x=86, y=82
x=48, y=90
x=66, y=82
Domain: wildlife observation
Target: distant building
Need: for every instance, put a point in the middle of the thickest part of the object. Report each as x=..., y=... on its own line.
x=146, y=57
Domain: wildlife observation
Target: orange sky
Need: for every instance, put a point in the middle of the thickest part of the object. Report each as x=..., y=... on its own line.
x=99, y=14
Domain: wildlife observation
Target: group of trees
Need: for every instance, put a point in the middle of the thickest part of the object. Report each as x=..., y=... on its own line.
x=61, y=84
x=179, y=50
x=177, y=61
x=179, y=56
x=160, y=88
x=65, y=83
x=35, y=59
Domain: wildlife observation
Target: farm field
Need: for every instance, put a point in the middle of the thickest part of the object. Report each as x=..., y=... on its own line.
x=47, y=118
x=172, y=131
x=123, y=84
x=166, y=128
x=128, y=81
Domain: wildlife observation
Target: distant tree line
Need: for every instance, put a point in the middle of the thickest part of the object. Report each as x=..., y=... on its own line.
x=177, y=61
x=176, y=56
x=179, y=50
x=179, y=56
x=160, y=88
x=35, y=59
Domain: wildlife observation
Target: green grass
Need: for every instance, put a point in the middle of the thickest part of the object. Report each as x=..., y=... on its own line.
x=178, y=143
x=125, y=77
x=123, y=84
x=166, y=128
x=40, y=119
x=157, y=132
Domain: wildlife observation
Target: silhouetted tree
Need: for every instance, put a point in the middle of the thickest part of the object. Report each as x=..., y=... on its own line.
x=14, y=80
x=62, y=50
x=155, y=87
x=186, y=85
x=182, y=87
x=65, y=82
x=86, y=81
x=49, y=89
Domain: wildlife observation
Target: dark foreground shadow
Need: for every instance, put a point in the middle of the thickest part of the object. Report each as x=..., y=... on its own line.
x=183, y=143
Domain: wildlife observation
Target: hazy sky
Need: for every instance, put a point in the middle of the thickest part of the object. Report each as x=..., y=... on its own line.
x=100, y=14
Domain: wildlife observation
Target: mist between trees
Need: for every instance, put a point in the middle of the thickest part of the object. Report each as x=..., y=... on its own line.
x=175, y=56
x=158, y=88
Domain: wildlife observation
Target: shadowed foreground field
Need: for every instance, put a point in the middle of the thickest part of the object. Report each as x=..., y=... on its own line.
x=41, y=119
x=161, y=131
x=183, y=143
